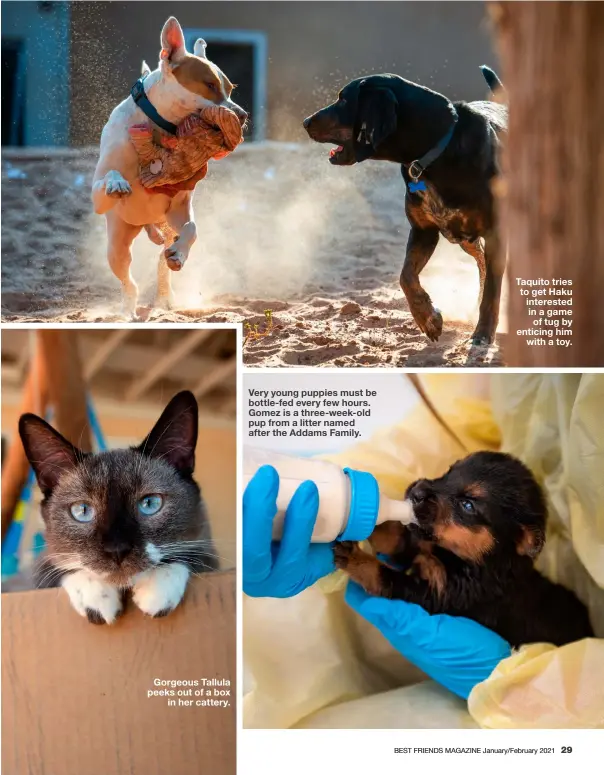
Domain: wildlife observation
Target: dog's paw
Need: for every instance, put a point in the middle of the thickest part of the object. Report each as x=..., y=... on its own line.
x=154, y=234
x=130, y=315
x=359, y=565
x=482, y=337
x=129, y=301
x=157, y=592
x=163, y=302
x=432, y=326
x=116, y=186
x=175, y=258
x=91, y=597
x=389, y=538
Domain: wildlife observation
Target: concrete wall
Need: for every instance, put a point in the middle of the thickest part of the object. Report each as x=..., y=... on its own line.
x=44, y=28
x=314, y=48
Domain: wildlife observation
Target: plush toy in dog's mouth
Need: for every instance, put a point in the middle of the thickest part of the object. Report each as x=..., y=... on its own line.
x=169, y=164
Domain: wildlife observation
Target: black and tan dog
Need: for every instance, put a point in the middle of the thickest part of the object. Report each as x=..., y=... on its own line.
x=448, y=152
x=479, y=528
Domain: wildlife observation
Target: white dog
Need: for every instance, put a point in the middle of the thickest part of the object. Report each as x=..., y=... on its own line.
x=182, y=84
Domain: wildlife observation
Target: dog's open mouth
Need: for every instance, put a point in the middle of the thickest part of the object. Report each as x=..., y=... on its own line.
x=342, y=154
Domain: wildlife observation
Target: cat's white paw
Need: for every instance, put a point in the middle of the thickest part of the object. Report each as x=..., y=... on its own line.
x=157, y=592
x=99, y=602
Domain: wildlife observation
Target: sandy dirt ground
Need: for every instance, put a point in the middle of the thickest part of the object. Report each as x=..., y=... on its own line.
x=307, y=256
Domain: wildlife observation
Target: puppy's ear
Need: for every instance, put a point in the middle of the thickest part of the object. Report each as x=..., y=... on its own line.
x=145, y=69
x=173, y=47
x=49, y=453
x=530, y=541
x=199, y=49
x=378, y=117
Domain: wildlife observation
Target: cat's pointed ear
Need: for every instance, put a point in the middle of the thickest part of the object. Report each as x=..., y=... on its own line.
x=174, y=436
x=48, y=452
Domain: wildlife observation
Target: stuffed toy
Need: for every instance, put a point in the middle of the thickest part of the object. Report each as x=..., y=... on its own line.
x=172, y=163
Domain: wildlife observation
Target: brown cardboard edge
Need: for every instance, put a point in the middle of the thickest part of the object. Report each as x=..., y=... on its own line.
x=74, y=695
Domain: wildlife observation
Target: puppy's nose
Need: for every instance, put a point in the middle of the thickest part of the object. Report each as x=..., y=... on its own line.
x=306, y=122
x=419, y=493
x=117, y=550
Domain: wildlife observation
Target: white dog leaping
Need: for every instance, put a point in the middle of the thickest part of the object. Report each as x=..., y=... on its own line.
x=182, y=84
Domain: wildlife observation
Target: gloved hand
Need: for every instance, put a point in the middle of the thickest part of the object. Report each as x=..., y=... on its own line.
x=272, y=569
x=456, y=652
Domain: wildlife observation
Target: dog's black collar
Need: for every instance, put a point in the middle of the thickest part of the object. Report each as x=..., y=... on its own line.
x=417, y=167
x=138, y=95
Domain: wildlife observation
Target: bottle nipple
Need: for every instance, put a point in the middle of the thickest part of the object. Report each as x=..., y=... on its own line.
x=401, y=511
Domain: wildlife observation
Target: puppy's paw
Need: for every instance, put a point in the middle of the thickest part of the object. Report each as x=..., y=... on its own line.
x=175, y=258
x=157, y=592
x=343, y=552
x=360, y=566
x=91, y=597
x=388, y=538
x=116, y=186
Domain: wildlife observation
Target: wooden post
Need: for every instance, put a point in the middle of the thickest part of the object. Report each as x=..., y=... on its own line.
x=55, y=379
x=16, y=466
x=552, y=210
x=66, y=386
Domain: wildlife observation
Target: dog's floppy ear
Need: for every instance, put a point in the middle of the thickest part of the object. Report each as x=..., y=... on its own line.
x=377, y=116
x=530, y=541
x=173, y=47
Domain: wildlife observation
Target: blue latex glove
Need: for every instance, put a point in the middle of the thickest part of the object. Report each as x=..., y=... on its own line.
x=456, y=652
x=273, y=569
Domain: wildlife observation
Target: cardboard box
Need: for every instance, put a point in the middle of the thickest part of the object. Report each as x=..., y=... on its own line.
x=74, y=695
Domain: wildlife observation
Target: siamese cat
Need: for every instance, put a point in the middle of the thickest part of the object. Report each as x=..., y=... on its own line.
x=122, y=520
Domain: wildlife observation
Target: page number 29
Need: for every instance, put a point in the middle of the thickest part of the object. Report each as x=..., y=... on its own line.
x=567, y=749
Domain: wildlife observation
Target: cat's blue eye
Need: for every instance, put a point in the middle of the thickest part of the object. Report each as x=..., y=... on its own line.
x=150, y=505
x=82, y=512
x=467, y=506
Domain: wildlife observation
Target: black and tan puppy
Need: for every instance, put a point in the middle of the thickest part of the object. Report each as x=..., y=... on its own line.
x=479, y=528
x=448, y=156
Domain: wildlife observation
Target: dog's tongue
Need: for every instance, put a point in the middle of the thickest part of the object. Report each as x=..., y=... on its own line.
x=336, y=150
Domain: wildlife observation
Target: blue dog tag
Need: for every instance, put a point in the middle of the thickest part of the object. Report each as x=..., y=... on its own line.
x=416, y=186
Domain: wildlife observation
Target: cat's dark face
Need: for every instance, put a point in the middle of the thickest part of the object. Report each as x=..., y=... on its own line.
x=121, y=512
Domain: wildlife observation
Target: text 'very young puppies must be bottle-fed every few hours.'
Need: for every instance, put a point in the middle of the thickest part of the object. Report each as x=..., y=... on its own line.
x=350, y=503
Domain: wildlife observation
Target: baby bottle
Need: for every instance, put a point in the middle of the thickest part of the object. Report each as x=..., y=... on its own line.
x=350, y=503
